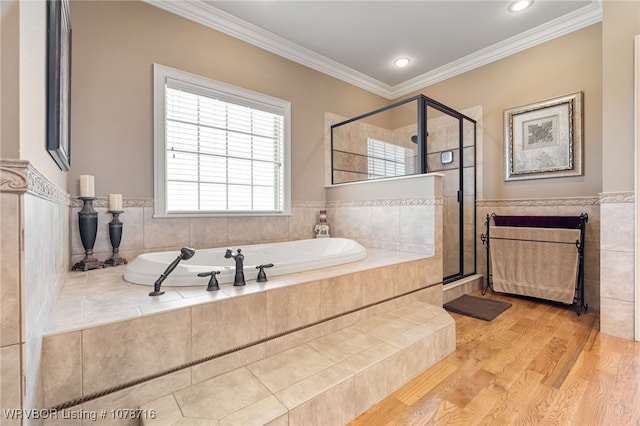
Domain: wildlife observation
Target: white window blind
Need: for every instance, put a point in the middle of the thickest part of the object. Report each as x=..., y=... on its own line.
x=223, y=153
x=388, y=160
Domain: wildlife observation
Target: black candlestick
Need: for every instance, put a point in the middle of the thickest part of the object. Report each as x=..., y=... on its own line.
x=115, y=235
x=88, y=224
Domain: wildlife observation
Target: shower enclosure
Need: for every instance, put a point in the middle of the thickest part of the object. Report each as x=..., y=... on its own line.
x=414, y=136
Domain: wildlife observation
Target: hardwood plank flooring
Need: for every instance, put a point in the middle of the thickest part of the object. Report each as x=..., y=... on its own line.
x=537, y=363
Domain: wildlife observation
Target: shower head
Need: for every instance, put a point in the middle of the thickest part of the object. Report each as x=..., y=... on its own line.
x=186, y=253
x=414, y=138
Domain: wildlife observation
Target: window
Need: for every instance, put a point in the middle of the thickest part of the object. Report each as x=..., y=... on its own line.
x=219, y=149
x=388, y=160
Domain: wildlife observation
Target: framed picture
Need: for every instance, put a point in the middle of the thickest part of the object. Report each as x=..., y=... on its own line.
x=544, y=139
x=59, y=82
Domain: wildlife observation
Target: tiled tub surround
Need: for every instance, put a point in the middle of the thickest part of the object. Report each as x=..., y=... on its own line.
x=617, y=271
x=573, y=206
x=105, y=332
x=142, y=233
x=34, y=261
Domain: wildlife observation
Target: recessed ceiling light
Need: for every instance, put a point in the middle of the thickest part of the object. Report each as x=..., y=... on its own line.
x=401, y=62
x=520, y=5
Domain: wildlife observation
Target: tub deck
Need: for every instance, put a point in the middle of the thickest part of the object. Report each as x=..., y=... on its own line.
x=102, y=296
x=105, y=335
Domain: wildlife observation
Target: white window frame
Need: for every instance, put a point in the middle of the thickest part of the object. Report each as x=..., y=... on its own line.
x=233, y=94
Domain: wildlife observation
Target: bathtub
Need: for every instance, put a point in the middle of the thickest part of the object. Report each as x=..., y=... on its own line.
x=287, y=258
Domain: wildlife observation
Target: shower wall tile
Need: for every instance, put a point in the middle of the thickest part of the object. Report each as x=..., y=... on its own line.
x=228, y=324
x=121, y=352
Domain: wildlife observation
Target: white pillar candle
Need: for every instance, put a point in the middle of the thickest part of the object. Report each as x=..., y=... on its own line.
x=115, y=202
x=87, y=186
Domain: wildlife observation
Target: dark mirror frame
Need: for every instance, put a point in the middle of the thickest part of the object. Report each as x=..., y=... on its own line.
x=59, y=82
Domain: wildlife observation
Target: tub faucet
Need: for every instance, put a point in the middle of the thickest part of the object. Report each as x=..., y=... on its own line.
x=238, y=279
x=185, y=254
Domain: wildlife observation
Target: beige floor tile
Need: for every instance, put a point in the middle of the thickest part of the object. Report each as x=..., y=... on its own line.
x=261, y=412
x=165, y=412
x=283, y=369
x=384, y=326
x=315, y=385
x=416, y=311
x=343, y=343
x=369, y=357
x=218, y=397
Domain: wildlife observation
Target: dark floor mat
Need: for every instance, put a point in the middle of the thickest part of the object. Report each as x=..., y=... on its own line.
x=477, y=307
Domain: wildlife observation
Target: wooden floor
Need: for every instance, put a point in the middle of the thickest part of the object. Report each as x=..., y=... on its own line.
x=535, y=364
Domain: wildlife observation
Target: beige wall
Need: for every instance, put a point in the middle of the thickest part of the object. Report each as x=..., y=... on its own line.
x=115, y=46
x=621, y=25
x=565, y=65
x=9, y=78
x=23, y=83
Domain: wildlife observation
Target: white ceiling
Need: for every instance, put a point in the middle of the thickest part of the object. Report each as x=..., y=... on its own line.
x=357, y=41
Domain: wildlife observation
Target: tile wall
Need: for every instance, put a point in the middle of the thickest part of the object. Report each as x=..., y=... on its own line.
x=143, y=233
x=34, y=261
x=617, y=271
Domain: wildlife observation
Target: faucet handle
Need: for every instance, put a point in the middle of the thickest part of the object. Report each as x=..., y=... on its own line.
x=262, y=276
x=213, y=281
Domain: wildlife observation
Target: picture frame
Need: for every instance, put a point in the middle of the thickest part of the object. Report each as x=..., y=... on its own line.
x=59, y=82
x=544, y=139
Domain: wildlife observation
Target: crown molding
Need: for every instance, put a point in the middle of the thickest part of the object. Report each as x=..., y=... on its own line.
x=558, y=27
x=226, y=23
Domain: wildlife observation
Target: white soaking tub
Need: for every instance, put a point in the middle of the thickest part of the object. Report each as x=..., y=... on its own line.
x=287, y=258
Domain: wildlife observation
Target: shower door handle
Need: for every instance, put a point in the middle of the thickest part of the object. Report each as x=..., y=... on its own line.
x=459, y=196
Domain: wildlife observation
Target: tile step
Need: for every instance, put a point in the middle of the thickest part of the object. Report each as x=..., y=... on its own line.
x=329, y=380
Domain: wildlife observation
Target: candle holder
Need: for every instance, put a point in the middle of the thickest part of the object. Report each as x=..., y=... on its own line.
x=88, y=224
x=115, y=235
